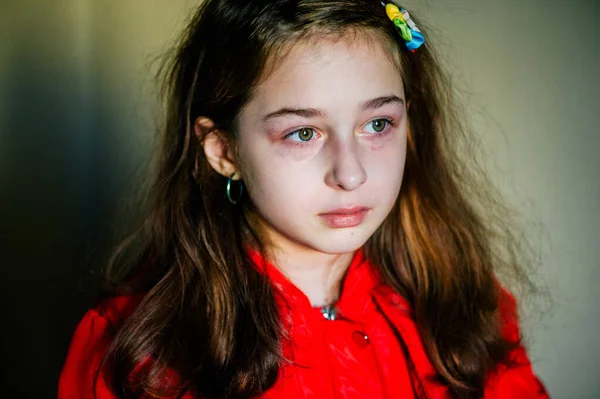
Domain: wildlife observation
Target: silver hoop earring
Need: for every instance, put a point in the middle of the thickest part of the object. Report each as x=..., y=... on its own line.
x=229, y=191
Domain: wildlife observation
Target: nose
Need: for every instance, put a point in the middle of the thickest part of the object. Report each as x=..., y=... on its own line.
x=346, y=171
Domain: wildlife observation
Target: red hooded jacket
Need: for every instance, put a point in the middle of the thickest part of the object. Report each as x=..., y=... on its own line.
x=372, y=349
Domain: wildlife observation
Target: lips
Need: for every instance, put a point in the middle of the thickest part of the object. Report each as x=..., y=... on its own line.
x=345, y=217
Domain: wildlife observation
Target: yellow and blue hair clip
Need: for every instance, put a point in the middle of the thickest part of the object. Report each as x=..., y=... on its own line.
x=405, y=26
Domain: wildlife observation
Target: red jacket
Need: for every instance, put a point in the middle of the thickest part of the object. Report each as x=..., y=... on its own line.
x=371, y=350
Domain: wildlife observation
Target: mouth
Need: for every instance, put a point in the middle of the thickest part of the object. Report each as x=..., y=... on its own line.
x=345, y=217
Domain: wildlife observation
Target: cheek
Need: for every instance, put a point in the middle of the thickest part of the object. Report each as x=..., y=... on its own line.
x=386, y=167
x=382, y=143
x=277, y=186
x=387, y=153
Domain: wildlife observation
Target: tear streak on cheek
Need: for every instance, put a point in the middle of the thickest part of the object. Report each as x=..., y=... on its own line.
x=379, y=143
x=295, y=154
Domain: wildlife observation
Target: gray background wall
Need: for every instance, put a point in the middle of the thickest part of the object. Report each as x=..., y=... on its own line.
x=76, y=124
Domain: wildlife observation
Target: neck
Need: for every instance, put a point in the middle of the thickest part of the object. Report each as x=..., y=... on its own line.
x=318, y=275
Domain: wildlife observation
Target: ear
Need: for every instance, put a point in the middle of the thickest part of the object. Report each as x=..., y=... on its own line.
x=219, y=153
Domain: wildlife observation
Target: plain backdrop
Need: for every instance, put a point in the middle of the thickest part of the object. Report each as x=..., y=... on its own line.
x=76, y=126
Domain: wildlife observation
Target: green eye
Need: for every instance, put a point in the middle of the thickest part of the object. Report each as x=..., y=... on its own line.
x=306, y=134
x=379, y=125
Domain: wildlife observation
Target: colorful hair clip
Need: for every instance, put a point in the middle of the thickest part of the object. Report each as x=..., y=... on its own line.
x=405, y=26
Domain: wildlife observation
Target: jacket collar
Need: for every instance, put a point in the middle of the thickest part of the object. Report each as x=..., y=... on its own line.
x=362, y=283
x=363, y=291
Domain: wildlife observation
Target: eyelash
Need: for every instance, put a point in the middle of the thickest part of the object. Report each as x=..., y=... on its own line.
x=389, y=124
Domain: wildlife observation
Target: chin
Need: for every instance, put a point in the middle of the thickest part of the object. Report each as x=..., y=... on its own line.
x=341, y=242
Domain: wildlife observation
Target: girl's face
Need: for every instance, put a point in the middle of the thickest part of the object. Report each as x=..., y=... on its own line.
x=322, y=145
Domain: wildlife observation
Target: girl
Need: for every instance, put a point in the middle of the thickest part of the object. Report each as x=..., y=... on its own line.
x=310, y=232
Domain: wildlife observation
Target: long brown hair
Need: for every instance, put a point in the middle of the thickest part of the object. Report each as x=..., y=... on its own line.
x=206, y=313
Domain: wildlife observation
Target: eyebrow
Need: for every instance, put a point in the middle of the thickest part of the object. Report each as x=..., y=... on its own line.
x=313, y=112
x=381, y=101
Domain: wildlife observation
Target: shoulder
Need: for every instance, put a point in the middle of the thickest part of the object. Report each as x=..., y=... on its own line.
x=89, y=343
x=117, y=309
x=507, y=307
x=516, y=378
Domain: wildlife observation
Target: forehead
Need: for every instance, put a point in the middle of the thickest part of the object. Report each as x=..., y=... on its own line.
x=318, y=71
